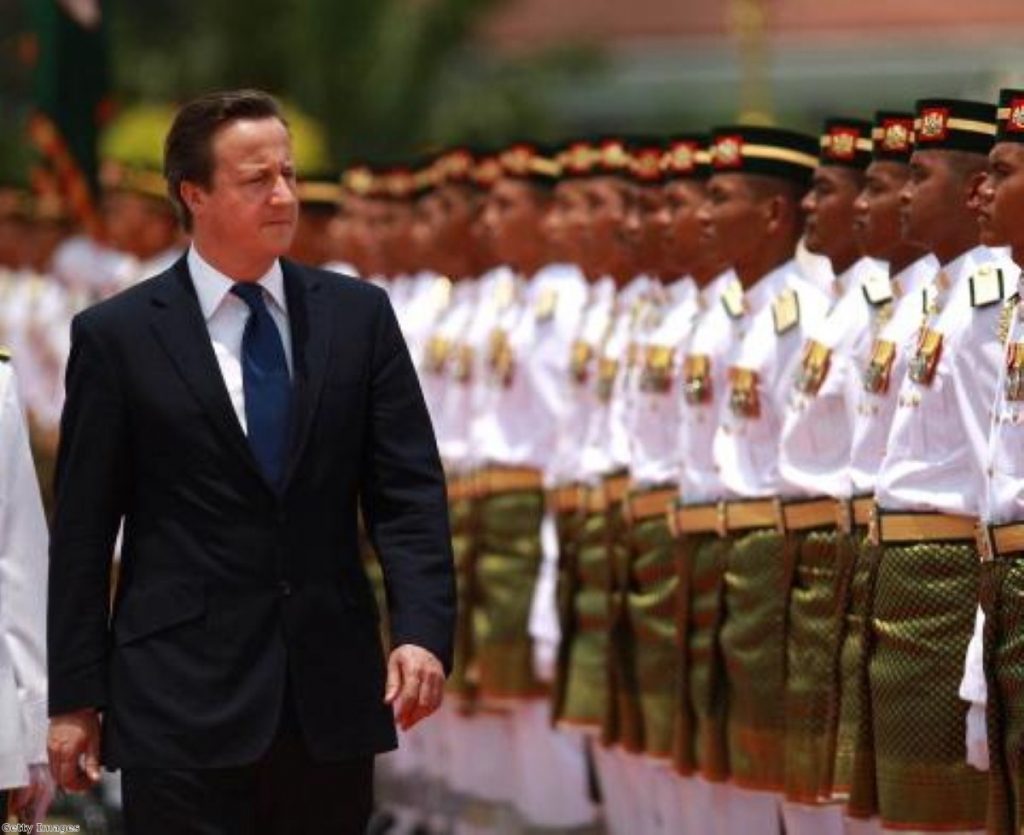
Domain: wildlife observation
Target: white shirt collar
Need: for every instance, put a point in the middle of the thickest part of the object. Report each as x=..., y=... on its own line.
x=212, y=285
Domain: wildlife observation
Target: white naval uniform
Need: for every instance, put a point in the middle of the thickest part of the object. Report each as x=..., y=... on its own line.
x=519, y=424
x=23, y=582
x=746, y=449
x=938, y=441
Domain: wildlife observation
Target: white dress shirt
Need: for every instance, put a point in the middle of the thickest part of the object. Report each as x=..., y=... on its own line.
x=937, y=449
x=23, y=579
x=226, y=316
x=817, y=431
x=746, y=446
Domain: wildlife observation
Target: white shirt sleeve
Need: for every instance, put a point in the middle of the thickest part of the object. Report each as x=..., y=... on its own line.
x=23, y=572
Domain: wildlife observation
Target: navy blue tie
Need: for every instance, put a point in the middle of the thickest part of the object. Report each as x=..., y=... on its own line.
x=268, y=388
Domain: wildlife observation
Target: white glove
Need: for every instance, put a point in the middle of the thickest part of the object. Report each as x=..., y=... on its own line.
x=977, y=737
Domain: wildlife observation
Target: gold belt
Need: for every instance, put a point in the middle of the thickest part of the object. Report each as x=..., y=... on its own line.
x=894, y=527
x=1000, y=540
x=612, y=489
x=566, y=499
x=650, y=503
x=507, y=480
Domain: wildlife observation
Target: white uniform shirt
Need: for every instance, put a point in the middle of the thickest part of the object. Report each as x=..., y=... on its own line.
x=940, y=431
x=606, y=436
x=226, y=316
x=875, y=403
x=525, y=404
x=23, y=581
x=654, y=418
x=817, y=430
x=440, y=349
x=426, y=297
x=580, y=382
x=746, y=443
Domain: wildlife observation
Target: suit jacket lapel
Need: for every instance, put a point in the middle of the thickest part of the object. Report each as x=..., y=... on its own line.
x=182, y=331
x=311, y=341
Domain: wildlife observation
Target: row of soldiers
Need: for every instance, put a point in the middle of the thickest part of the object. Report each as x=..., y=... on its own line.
x=730, y=429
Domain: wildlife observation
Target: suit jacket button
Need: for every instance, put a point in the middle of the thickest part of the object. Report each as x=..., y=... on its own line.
x=285, y=587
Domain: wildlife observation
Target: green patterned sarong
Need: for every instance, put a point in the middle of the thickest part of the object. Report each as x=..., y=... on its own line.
x=653, y=597
x=699, y=744
x=507, y=563
x=586, y=679
x=461, y=514
x=569, y=527
x=623, y=724
x=754, y=651
x=922, y=619
x=811, y=636
x=1002, y=597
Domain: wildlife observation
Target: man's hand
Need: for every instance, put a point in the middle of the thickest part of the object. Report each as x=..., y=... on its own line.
x=73, y=746
x=415, y=684
x=30, y=803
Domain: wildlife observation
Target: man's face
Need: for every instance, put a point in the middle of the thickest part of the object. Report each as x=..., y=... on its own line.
x=926, y=200
x=732, y=218
x=683, y=234
x=454, y=211
x=565, y=223
x=828, y=227
x=607, y=201
x=250, y=205
x=645, y=227
x=124, y=216
x=1002, y=198
x=349, y=234
x=511, y=218
x=876, y=222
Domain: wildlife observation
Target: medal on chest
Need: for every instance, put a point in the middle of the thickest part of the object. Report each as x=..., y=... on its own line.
x=607, y=371
x=697, y=379
x=879, y=368
x=743, y=397
x=500, y=357
x=579, y=361
x=926, y=356
x=813, y=367
x=657, y=373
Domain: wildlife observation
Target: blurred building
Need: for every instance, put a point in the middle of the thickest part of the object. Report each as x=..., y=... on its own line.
x=683, y=59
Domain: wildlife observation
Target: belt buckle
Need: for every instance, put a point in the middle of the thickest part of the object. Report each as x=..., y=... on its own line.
x=844, y=515
x=780, y=515
x=722, y=519
x=874, y=526
x=983, y=541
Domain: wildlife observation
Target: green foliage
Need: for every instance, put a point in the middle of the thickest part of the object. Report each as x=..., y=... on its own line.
x=384, y=77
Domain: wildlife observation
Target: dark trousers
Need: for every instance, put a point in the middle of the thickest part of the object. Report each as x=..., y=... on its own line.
x=284, y=793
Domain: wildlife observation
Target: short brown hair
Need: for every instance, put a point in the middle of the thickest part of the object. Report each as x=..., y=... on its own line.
x=188, y=149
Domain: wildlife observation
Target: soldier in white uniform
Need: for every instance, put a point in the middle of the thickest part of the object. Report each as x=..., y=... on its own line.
x=911, y=270
x=814, y=454
x=760, y=176
x=992, y=680
x=929, y=489
x=25, y=782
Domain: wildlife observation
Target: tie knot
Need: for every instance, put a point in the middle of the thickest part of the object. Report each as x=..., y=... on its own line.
x=251, y=293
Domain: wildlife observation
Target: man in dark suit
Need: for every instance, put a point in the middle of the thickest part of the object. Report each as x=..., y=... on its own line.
x=232, y=411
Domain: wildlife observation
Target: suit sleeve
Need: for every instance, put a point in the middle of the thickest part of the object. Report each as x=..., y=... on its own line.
x=404, y=499
x=91, y=489
x=23, y=573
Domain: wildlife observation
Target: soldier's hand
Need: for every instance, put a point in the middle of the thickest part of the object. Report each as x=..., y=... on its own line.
x=73, y=745
x=415, y=685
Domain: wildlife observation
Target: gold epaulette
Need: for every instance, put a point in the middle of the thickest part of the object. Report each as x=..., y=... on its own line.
x=5, y=355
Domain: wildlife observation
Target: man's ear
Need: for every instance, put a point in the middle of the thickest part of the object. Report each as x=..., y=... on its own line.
x=774, y=209
x=193, y=196
x=973, y=188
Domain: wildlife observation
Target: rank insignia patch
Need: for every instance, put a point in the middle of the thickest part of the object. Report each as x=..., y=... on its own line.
x=786, y=311
x=986, y=286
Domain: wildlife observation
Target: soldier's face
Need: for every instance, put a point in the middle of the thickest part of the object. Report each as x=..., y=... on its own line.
x=828, y=204
x=565, y=223
x=250, y=206
x=876, y=221
x=932, y=200
x=644, y=226
x=1002, y=198
x=512, y=217
x=607, y=202
x=732, y=218
x=682, y=230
